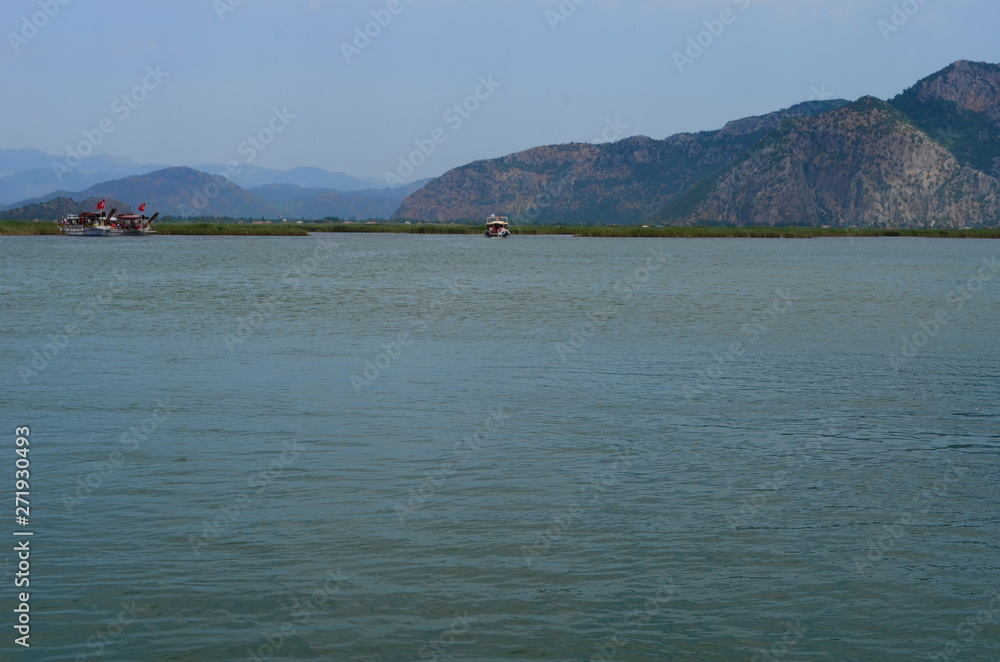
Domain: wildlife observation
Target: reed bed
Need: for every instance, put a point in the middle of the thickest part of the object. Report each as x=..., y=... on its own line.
x=28, y=227
x=303, y=229
x=231, y=229
x=770, y=232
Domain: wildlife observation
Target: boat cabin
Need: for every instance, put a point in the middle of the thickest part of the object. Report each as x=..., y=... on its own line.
x=497, y=226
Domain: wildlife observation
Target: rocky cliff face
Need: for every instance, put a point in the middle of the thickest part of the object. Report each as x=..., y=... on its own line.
x=971, y=86
x=959, y=107
x=863, y=165
x=929, y=157
x=578, y=183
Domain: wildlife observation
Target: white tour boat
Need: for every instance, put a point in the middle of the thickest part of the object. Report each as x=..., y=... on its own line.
x=102, y=224
x=497, y=226
x=87, y=224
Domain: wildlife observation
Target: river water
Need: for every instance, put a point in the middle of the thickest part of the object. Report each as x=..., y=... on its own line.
x=405, y=447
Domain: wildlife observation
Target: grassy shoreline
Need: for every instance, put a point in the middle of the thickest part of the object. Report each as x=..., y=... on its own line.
x=11, y=228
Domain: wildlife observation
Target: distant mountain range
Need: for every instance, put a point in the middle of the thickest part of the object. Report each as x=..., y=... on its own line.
x=297, y=202
x=303, y=176
x=56, y=208
x=928, y=157
x=180, y=191
x=29, y=173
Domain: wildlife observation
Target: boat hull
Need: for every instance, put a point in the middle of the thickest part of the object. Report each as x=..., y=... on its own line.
x=85, y=231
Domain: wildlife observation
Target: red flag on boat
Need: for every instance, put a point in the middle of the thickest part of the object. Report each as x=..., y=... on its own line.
x=142, y=207
x=100, y=205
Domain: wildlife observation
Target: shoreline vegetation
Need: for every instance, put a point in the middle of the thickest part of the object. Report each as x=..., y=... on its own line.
x=11, y=228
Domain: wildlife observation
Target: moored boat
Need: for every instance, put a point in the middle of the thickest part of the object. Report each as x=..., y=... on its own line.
x=88, y=223
x=102, y=224
x=135, y=225
x=83, y=225
x=497, y=226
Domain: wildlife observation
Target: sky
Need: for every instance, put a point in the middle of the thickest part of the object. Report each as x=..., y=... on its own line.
x=407, y=89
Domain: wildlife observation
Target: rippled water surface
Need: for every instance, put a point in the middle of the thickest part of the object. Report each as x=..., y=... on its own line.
x=390, y=447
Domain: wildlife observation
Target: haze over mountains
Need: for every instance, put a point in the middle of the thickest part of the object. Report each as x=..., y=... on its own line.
x=930, y=157
x=247, y=192
x=30, y=173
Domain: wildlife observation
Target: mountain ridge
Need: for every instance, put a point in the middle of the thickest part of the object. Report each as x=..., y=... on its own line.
x=59, y=207
x=28, y=174
x=584, y=183
x=180, y=191
x=928, y=157
x=864, y=165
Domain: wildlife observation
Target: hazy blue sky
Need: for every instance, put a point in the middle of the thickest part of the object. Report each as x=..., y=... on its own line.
x=200, y=77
